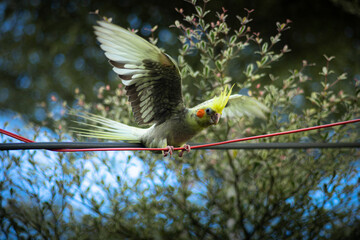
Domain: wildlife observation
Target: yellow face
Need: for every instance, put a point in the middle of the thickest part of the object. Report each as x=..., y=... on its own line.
x=210, y=113
x=208, y=116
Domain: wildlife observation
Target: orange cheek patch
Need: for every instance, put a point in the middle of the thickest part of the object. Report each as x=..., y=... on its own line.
x=200, y=113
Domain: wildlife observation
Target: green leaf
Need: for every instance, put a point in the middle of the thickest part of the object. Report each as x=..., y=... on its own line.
x=264, y=47
x=202, y=23
x=219, y=65
x=230, y=51
x=212, y=36
x=203, y=45
x=206, y=12
x=249, y=69
x=324, y=71
x=343, y=76
x=264, y=60
x=233, y=39
x=210, y=51
x=206, y=71
x=199, y=10
x=242, y=29
x=177, y=24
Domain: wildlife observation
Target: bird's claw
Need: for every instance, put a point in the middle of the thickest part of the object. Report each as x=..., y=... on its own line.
x=170, y=150
x=186, y=148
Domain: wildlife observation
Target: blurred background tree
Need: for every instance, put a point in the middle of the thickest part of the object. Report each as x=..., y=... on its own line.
x=48, y=47
x=49, y=55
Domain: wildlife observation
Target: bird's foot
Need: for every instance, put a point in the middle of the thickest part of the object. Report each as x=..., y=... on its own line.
x=186, y=148
x=169, y=151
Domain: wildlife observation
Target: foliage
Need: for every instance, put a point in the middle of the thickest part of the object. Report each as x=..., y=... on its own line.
x=232, y=194
x=48, y=47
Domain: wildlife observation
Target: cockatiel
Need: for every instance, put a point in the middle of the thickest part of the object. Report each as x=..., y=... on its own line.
x=153, y=85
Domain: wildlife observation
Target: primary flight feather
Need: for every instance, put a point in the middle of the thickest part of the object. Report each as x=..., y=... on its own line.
x=153, y=85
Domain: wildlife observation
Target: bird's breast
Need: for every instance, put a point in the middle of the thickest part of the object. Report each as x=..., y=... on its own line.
x=175, y=131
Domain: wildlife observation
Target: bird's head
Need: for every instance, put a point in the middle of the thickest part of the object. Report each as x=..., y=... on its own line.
x=209, y=112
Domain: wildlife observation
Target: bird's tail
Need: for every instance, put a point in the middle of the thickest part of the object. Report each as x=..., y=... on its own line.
x=101, y=127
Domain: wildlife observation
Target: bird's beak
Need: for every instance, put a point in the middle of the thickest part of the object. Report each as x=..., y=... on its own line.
x=215, y=118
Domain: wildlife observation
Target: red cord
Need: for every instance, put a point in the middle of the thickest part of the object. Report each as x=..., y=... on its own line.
x=193, y=147
x=277, y=134
x=13, y=135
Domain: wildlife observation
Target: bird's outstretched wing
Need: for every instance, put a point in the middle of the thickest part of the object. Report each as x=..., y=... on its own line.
x=240, y=105
x=152, y=79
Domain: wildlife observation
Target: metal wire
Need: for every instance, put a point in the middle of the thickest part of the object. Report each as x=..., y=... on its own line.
x=115, y=146
x=234, y=143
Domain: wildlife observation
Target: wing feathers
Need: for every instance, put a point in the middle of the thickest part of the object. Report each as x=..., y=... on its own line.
x=118, y=58
x=240, y=105
x=151, y=78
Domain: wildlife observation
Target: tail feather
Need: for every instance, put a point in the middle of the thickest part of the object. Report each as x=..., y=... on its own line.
x=101, y=127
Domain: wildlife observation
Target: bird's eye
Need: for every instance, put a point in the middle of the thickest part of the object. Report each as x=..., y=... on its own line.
x=208, y=111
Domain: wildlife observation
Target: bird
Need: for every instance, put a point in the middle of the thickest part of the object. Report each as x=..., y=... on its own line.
x=152, y=81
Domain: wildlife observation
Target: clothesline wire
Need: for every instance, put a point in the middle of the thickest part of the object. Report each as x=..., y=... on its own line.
x=114, y=146
x=234, y=143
